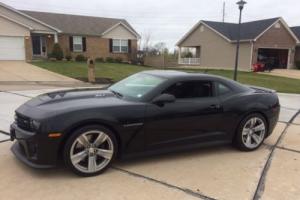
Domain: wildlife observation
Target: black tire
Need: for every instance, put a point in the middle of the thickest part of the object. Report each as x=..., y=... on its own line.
x=73, y=138
x=238, y=140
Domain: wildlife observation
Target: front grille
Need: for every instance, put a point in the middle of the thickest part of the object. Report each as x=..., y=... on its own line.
x=23, y=122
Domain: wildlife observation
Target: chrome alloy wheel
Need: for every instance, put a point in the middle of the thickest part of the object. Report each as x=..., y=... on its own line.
x=253, y=132
x=91, y=151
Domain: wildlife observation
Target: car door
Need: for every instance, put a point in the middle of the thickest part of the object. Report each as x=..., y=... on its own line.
x=192, y=118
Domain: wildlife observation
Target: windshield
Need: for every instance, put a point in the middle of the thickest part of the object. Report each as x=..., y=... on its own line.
x=137, y=85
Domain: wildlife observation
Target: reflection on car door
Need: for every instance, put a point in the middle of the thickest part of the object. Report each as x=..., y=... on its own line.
x=192, y=117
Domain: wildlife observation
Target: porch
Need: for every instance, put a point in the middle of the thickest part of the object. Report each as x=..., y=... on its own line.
x=42, y=44
x=189, y=55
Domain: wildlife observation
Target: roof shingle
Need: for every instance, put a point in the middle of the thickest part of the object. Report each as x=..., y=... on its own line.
x=296, y=31
x=77, y=24
x=249, y=30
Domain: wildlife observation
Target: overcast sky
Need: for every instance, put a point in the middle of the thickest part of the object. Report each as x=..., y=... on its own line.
x=167, y=20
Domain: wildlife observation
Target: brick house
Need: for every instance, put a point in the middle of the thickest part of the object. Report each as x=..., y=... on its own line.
x=214, y=44
x=28, y=35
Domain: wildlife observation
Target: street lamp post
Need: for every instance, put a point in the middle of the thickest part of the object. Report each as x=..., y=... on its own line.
x=241, y=4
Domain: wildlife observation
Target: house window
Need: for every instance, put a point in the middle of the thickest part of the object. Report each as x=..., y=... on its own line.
x=120, y=46
x=77, y=44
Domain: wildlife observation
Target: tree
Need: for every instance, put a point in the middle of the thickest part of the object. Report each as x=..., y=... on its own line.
x=145, y=42
x=161, y=48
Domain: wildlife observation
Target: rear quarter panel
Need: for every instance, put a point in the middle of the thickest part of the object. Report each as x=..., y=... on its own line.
x=236, y=107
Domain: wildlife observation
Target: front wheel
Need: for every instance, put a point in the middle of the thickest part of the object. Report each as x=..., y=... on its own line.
x=90, y=150
x=251, y=132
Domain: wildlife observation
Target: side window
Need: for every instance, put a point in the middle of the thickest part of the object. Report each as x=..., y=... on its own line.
x=222, y=89
x=191, y=89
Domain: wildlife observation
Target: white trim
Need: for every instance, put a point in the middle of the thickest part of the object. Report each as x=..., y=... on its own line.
x=251, y=55
x=81, y=43
x=12, y=20
x=267, y=47
x=286, y=27
x=289, y=64
x=25, y=15
x=43, y=32
x=247, y=40
x=120, y=46
x=121, y=23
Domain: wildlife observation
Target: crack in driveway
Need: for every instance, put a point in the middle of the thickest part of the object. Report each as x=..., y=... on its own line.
x=185, y=190
x=261, y=183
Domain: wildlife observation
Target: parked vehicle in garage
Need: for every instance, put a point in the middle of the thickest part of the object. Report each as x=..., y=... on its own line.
x=147, y=113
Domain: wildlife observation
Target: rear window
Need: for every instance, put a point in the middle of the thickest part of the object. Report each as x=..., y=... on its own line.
x=191, y=89
x=222, y=89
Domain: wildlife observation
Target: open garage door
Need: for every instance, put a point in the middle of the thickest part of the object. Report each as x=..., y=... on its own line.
x=274, y=58
x=12, y=48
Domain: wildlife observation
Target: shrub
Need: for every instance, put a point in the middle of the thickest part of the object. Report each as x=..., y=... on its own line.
x=119, y=60
x=49, y=55
x=298, y=64
x=57, y=52
x=80, y=58
x=99, y=59
x=110, y=60
x=68, y=57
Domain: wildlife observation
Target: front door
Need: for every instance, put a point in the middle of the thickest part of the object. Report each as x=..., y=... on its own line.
x=39, y=45
x=36, y=45
x=191, y=118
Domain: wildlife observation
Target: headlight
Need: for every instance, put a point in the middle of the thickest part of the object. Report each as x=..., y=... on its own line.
x=35, y=125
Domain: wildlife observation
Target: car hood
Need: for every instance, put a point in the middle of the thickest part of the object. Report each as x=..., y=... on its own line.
x=70, y=97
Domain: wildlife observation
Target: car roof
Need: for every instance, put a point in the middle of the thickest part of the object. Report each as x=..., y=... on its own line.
x=180, y=75
x=169, y=74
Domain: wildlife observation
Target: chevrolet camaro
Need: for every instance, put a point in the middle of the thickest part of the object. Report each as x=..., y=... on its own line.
x=147, y=113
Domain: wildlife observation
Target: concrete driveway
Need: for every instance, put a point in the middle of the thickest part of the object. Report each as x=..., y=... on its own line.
x=22, y=71
x=19, y=75
x=272, y=172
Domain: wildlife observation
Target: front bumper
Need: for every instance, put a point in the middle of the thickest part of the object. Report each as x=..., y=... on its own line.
x=30, y=148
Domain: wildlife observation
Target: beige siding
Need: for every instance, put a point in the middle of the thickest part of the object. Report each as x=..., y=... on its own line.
x=22, y=19
x=217, y=52
x=9, y=28
x=120, y=32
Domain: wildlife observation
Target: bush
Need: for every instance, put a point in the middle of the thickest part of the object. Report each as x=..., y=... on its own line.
x=298, y=64
x=99, y=59
x=80, y=58
x=57, y=52
x=68, y=57
x=119, y=60
x=110, y=60
x=49, y=56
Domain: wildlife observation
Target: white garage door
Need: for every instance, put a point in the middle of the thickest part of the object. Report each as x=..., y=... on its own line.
x=12, y=48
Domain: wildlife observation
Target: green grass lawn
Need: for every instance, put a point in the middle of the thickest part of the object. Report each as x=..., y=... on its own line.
x=117, y=72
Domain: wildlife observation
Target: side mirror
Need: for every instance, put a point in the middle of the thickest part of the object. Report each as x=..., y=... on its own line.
x=164, y=98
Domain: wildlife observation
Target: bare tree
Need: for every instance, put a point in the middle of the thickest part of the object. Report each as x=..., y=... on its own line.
x=145, y=42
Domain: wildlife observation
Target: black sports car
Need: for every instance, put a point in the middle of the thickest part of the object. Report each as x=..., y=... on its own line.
x=148, y=112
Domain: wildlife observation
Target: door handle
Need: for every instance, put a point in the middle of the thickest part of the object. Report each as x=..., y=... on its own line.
x=215, y=106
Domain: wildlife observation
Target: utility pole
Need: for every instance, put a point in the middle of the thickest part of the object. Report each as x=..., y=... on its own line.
x=223, y=12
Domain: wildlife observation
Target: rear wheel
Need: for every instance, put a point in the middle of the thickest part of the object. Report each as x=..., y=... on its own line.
x=251, y=132
x=90, y=150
